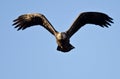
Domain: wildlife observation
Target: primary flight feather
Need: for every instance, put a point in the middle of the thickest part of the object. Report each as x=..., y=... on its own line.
x=63, y=38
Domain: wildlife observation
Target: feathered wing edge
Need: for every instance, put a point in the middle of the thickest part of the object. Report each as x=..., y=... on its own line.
x=28, y=20
x=96, y=18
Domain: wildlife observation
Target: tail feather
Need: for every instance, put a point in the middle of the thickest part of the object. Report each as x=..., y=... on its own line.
x=66, y=48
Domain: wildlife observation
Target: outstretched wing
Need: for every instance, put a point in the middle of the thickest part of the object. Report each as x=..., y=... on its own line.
x=28, y=20
x=96, y=18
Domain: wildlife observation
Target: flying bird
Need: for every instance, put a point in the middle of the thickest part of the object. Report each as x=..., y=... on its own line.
x=63, y=38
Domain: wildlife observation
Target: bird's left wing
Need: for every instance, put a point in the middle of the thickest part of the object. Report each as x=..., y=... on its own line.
x=96, y=18
x=28, y=20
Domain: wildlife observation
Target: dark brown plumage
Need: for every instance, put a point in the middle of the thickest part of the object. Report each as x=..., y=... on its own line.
x=63, y=38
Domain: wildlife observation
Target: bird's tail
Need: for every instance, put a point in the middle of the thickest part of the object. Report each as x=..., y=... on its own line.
x=66, y=48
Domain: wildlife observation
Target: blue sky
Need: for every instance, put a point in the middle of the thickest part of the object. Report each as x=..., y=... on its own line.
x=32, y=54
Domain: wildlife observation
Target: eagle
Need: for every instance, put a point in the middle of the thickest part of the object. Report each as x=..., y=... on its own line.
x=63, y=38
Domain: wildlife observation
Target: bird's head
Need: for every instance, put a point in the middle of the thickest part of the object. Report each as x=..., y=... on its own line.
x=61, y=36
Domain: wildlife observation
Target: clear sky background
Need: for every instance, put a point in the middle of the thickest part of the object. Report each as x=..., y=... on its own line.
x=32, y=54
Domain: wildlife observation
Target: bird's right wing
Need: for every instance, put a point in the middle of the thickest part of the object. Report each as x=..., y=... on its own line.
x=28, y=20
x=96, y=18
